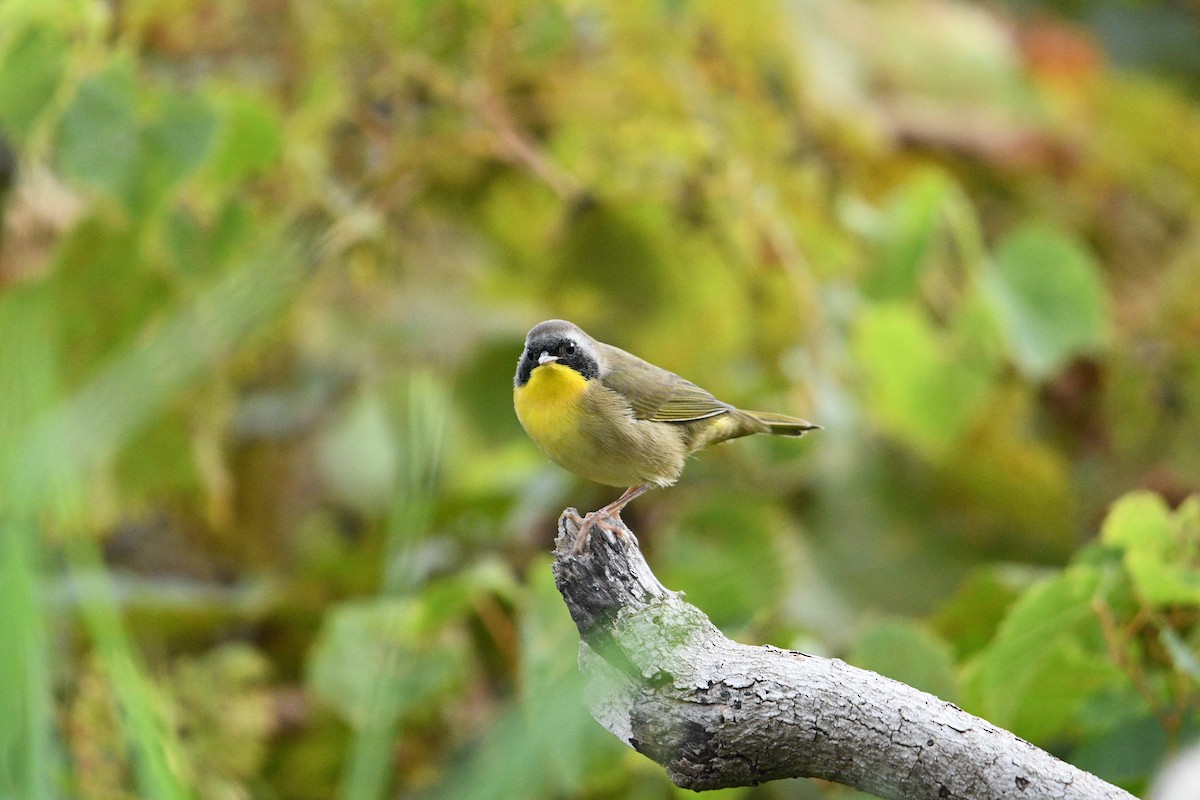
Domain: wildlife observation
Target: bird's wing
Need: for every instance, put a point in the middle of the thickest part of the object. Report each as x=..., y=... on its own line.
x=656, y=394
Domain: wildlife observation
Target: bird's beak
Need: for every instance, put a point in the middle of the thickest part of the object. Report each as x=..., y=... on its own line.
x=546, y=358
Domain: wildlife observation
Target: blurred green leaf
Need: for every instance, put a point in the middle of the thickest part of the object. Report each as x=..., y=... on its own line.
x=723, y=556
x=30, y=361
x=403, y=666
x=546, y=30
x=159, y=459
x=30, y=71
x=545, y=743
x=98, y=141
x=1128, y=752
x=249, y=137
x=367, y=773
x=1160, y=551
x=909, y=230
x=158, y=756
x=910, y=653
x=969, y=619
x=916, y=387
x=1049, y=298
x=611, y=251
x=452, y=597
x=1138, y=521
x=1003, y=458
x=357, y=455
x=30, y=365
x=98, y=256
x=1047, y=660
x=27, y=737
x=176, y=142
x=200, y=248
x=420, y=454
x=411, y=651
x=1185, y=656
x=125, y=396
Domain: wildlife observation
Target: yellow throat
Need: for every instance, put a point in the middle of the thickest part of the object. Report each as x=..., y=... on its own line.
x=548, y=404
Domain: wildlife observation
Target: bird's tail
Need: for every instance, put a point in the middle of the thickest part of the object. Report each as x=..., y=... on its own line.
x=782, y=425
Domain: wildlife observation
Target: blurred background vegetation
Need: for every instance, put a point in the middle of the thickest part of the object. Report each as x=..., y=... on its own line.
x=270, y=529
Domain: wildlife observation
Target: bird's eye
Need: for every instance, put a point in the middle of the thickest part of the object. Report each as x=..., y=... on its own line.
x=569, y=348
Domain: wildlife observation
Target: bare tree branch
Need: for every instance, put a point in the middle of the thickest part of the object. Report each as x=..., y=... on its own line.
x=716, y=714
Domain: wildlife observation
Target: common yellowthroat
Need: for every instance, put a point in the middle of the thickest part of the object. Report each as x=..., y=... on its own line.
x=612, y=418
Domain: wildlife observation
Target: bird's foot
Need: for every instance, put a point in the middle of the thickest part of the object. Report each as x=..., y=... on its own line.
x=597, y=520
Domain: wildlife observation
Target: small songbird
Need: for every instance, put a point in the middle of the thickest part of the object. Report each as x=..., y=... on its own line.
x=612, y=418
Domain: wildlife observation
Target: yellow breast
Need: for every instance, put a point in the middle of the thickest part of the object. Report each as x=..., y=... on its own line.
x=549, y=405
x=549, y=408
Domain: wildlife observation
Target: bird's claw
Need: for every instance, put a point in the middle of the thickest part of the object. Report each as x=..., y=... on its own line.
x=609, y=535
x=595, y=520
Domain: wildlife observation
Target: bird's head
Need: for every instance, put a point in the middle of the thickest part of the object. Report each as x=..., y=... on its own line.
x=557, y=341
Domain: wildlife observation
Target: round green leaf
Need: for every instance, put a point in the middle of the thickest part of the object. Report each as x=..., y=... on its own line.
x=98, y=138
x=1047, y=294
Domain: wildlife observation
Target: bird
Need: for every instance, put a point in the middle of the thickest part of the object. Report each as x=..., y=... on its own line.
x=612, y=418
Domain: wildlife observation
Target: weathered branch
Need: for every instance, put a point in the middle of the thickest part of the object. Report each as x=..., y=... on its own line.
x=715, y=713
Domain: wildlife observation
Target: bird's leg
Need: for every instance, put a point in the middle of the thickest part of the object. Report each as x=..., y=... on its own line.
x=614, y=508
x=596, y=519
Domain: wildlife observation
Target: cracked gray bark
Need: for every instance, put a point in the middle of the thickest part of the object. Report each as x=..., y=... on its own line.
x=717, y=714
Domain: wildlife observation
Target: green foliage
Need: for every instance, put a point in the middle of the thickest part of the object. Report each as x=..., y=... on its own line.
x=922, y=390
x=218, y=702
x=32, y=67
x=26, y=742
x=1160, y=549
x=156, y=752
x=98, y=139
x=176, y=141
x=358, y=455
x=1046, y=661
x=1104, y=648
x=378, y=637
x=1049, y=299
x=971, y=616
x=423, y=632
x=538, y=744
x=907, y=236
x=268, y=527
x=907, y=652
x=248, y=138
x=736, y=577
